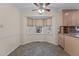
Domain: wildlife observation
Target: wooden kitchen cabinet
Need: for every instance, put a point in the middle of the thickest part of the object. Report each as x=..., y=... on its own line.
x=77, y=18
x=74, y=18
x=72, y=45
x=70, y=17
x=67, y=47
x=61, y=40
x=65, y=18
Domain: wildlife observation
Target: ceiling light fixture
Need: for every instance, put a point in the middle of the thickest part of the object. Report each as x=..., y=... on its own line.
x=41, y=10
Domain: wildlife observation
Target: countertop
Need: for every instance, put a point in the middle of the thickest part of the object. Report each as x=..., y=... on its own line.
x=76, y=35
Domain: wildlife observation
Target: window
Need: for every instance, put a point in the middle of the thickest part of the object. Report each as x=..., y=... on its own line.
x=38, y=29
x=39, y=22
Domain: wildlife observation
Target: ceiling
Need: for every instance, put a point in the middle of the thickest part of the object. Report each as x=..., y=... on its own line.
x=30, y=6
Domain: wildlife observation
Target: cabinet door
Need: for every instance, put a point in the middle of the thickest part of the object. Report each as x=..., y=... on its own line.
x=74, y=18
x=65, y=18
x=77, y=18
x=61, y=40
x=71, y=45
x=67, y=44
x=74, y=46
x=69, y=18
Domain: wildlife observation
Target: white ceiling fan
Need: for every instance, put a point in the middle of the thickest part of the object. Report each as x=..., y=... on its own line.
x=41, y=7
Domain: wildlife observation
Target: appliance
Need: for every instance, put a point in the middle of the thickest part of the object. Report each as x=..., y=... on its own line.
x=41, y=7
x=77, y=28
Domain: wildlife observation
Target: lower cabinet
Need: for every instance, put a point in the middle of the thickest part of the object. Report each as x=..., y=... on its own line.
x=71, y=45
x=61, y=40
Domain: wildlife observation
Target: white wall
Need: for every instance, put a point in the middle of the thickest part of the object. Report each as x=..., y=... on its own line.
x=11, y=25
x=53, y=38
x=9, y=28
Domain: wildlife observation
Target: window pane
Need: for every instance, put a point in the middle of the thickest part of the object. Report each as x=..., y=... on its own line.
x=39, y=22
x=49, y=22
x=34, y=22
x=45, y=22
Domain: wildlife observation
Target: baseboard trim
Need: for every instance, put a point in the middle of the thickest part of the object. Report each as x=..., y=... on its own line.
x=39, y=41
x=11, y=50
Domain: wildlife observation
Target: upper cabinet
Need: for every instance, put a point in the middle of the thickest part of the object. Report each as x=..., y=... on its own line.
x=77, y=17
x=65, y=17
x=70, y=17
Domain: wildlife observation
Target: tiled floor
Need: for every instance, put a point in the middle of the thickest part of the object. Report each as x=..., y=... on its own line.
x=39, y=49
